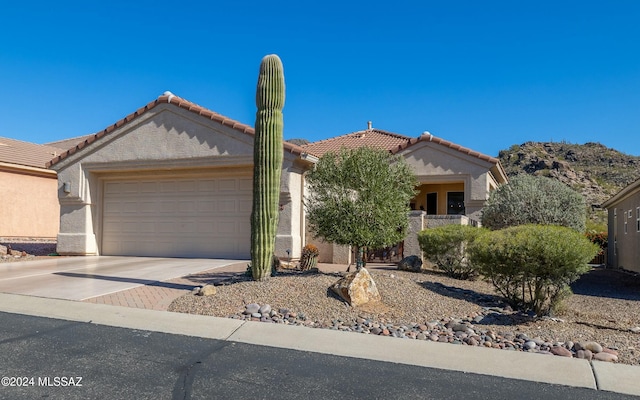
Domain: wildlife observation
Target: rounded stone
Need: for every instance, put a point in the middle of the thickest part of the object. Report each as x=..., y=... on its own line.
x=251, y=308
x=584, y=354
x=593, y=346
x=265, y=309
x=608, y=357
x=561, y=351
x=530, y=345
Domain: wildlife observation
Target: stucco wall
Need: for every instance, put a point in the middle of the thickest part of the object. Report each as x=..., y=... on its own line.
x=165, y=138
x=624, y=248
x=29, y=205
x=436, y=164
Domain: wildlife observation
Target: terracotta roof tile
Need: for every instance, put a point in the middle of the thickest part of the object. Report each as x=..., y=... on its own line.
x=395, y=143
x=427, y=137
x=17, y=152
x=167, y=98
x=368, y=138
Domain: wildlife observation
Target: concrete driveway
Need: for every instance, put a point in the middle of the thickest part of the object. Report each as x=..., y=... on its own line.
x=80, y=278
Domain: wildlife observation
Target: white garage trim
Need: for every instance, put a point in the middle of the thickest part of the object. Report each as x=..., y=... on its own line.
x=191, y=214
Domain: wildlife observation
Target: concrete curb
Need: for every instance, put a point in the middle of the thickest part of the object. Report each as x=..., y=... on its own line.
x=619, y=378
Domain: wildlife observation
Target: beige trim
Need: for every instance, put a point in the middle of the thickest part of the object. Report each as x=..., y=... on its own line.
x=24, y=169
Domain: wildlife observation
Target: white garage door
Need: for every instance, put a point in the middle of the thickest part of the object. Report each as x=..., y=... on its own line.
x=170, y=217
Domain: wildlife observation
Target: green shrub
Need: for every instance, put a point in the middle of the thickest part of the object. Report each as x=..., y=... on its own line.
x=446, y=247
x=533, y=265
x=530, y=199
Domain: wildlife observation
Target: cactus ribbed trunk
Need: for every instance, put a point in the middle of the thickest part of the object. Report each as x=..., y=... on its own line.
x=267, y=165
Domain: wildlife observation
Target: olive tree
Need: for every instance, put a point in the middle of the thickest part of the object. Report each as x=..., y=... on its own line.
x=530, y=199
x=360, y=198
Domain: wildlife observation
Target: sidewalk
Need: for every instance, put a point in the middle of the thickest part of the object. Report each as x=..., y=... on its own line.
x=596, y=375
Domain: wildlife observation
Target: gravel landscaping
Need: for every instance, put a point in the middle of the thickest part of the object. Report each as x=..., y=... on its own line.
x=600, y=321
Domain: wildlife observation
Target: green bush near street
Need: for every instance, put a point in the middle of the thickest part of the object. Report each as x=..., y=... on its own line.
x=533, y=265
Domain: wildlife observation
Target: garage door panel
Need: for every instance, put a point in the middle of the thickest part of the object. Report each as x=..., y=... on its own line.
x=195, y=217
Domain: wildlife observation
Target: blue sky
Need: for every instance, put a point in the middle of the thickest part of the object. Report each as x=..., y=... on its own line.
x=483, y=74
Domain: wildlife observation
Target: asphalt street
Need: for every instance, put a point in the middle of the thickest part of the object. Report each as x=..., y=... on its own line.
x=56, y=359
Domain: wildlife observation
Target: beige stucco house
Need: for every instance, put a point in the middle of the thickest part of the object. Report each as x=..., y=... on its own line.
x=172, y=179
x=623, y=211
x=28, y=205
x=455, y=181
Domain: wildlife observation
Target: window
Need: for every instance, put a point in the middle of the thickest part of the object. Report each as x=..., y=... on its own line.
x=637, y=219
x=625, y=221
x=455, y=203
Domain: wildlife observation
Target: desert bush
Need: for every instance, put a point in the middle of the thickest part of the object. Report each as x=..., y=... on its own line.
x=446, y=247
x=530, y=199
x=533, y=265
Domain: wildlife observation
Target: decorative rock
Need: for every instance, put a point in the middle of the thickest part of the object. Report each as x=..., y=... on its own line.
x=530, y=345
x=593, y=346
x=635, y=329
x=251, y=308
x=603, y=356
x=560, y=351
x=610, y=351
x=411, y=264
x=207, y=290
x=3, y=250
x=265, y=309
x=584, y=354
x=357, y=288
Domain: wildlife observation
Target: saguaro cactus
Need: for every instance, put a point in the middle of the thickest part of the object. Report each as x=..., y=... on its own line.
x=267, y=165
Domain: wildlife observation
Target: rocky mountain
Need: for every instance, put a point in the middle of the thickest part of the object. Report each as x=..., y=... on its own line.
x=592, y=169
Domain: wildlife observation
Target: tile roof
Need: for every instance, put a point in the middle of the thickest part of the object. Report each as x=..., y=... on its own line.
x=395, y=143
x=427, y=137
x=368, y=138
x=166, y=98
x=17, y=152
x=384, y=140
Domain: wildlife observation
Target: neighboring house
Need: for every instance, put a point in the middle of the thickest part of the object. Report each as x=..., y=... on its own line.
x=28, y=202
x=172, y=179
x=624, y=228
x=454, y=181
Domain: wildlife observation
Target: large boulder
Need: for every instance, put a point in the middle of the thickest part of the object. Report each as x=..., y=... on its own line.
x=357, y=288
x=410, y=263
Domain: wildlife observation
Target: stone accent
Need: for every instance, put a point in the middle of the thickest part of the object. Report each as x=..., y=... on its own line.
x=207, y=290
x=411, y=263
x=357, y=288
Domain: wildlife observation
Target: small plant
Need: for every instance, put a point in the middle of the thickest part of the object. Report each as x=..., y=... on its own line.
x=309, y=257
x=446, y=247
x=532, y=266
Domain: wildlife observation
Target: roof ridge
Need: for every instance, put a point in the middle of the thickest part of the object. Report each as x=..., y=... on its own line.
x=431, y=138
x=376, y=130
x=167, y=98
x=28, y=143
